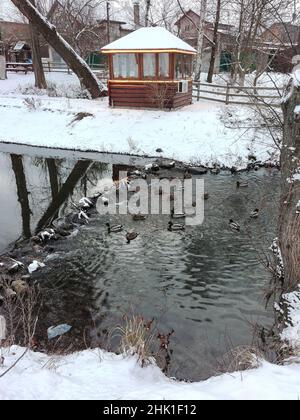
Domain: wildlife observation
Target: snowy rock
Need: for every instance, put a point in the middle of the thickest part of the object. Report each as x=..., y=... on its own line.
x=34, y=266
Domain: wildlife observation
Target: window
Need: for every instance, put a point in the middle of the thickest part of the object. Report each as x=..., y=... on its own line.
x=126, y=66
x=149, y=66
x=183, y=66
x=163, y=65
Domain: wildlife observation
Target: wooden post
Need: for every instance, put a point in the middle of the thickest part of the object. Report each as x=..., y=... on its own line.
x=198, y=91
x=227, y=100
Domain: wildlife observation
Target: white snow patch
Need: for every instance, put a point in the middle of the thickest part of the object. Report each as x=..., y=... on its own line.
x=291, y=333
x=153, y=38
x=98, y=375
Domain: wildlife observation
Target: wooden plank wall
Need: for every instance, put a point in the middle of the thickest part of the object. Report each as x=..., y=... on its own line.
x=148, y=95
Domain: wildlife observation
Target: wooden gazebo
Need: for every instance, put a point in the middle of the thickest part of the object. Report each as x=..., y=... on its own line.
x=150, y=68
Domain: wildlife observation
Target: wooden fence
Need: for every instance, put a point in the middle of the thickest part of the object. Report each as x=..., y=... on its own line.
x=237, y=95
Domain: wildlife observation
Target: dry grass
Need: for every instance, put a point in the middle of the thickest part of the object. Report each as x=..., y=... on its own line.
x=240, y=359
x=136, y=338
x=21, y=311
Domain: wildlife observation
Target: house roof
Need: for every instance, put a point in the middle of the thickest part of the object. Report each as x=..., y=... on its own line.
x=153, y=38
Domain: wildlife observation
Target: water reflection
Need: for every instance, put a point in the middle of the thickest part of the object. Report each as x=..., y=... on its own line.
x=205, y=283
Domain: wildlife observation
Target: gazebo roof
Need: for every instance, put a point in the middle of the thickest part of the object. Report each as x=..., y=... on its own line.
x=149, y=39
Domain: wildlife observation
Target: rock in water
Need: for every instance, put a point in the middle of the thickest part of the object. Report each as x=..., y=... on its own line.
x=58, y=331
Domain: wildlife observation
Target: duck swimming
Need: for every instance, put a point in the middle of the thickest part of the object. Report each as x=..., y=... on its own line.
x=175, y=227
x=114, y=229
x=131, y=236
x=254, y=214
x=234, y=226
x=139, y=217
x=177, y=215
x=240, y=184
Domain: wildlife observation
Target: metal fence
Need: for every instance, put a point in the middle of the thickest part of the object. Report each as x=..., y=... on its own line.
x=236, y=95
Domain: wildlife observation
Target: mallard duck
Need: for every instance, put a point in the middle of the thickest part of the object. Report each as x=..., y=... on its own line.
x=139, y=217
x=152, y=167
x=46, y=235
x=131, y=236
x=85, y=203
x=216, y=170
x=254, y=214
x=234, y=226
x=114, y=229
x=82, y=216
x=244, y=184
x=175, y=227
x=177, y=215
x=187, y=175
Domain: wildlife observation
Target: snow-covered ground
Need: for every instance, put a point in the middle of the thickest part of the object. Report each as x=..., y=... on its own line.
x=94, y=374
x=193, y=134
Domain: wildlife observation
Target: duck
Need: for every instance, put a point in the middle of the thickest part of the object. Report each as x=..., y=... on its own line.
x=46, y=235
x=244, y=184
x=114, y=229
x=139, y=217
x=254, y=214
x=82, y=216
x=177, y=215
x=85, y=203
x=234, y=226
x=206, y=196
x=216, y=170
x=175, y=227
x=187, y=175
x=152, y=167
x=131, y=236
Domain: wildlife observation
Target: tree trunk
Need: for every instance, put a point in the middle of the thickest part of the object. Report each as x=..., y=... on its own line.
x=289, y=224
x=148, y=5
x=215, y=46
x=66, y=190
x=200, y=40
x=74, y=61
x=18, y=168
x=40, y=80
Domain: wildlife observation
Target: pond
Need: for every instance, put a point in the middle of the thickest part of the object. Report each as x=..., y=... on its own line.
x=206, y=283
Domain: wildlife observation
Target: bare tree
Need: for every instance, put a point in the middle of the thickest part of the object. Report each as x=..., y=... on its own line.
x=289, y=222
x=40, y=80
x=148, y=6
x=215, y=45
x=200, y=40
x=58, y=43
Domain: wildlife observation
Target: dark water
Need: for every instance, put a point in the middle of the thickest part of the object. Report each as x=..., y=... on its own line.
x=206, y=283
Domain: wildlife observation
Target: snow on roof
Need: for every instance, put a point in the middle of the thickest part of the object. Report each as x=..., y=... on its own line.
x=154, y=38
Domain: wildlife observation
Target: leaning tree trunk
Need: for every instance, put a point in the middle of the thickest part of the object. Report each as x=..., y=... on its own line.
x=40, y=80
x=289, y=224
x=215, y=46
x=74, y=61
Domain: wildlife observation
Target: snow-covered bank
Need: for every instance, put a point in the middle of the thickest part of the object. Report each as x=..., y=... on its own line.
x=194, y=134
x=100, y=375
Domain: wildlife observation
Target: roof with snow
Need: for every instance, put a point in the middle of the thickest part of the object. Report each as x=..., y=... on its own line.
x=154, y=38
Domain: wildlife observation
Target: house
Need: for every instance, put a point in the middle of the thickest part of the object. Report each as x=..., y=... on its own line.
x=85, y=35
x=278, y=45
x=188, y=25
x=150, y=68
